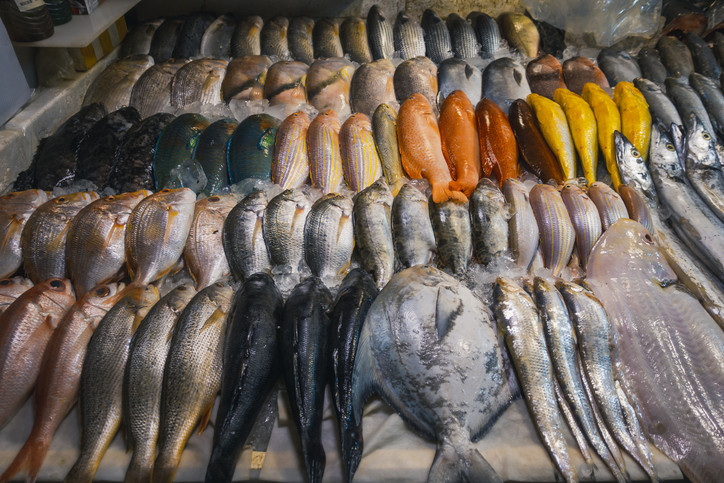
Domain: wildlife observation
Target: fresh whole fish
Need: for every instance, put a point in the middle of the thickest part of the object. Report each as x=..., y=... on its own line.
x=545, y=75
x=164, y=39
x=192, y=375
x=407, y=359
x=703, y=167
x=250, y=151
x=190, y=35
x=372, y=85
x=489, y=222
x=712, y=98
x=661, y=107
x=578, y=71
x=251, y=369
x=379, y=33
x=518, y=319
x=522, y=226
x=556, y=230
x=210, y=152
x=409, y=38
x=360, y=160
x=676, y=57
x=372, y=216
x=246, y=39
x=11, y=289
x=652, y=69
x=204, y=252
x=325, y=157
x=56, y=389
x=487, y=32
x=538, y=157
x=143, y=379
x=354, y=298
x=113, y=86
x=156, y=233
x=243, y=237
x=705, y=62
x=462, y=37
x=609, y=204
x=44, y=236
x=95, y=247
x=460, y=143
x=101, y=380
x=138, y=40
x=245, y=78
x=273, y=38
x=176, y=144
x=552, y=39
x=286, y=83
x=416, y=76
x=498, y=149
x=283, y=225
x=584, y=132
x=15, y=209
x=412, y=231
x=584, y=218
x=453, y=235
x=520, y=32
x=304, y=359
x=456, y=74
x=198, y=81
x=329, y=237
x=504, y=81
x=326, y=40
x=26, y=327
x=618, y=65
x=328, y=83
x=152, y=91
x=608, y=121
x=438, y=45
x=353, y=35
x=555, y=129
x=300, y=39
x=384, y=129
x=290, y=165
x=637, y=208
x=216, y=41
x=635, y=116
x=688, y=102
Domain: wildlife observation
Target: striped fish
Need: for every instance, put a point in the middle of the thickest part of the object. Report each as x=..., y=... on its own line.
x=325, y=159
x=360, y=159
x=290, y=165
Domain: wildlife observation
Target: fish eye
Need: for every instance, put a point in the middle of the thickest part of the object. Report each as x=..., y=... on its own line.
x=102, y=291
x=669, y=146
x=182, y=288
x=706, y=136
x=214, y=199
x=648, y=239
x=7, y=282
x=111, y=198
x=635, y=153
x=219, y=284
x=166, y=190
x=56, y=284
x=62, y=198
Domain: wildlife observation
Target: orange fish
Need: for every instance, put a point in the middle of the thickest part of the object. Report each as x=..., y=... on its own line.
x=498, y=150
x=421, y=149
x=460, y=144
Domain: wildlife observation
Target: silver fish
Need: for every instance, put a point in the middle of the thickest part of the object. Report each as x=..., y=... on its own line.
x=152, y=91
x=489, y=217
x=662, y=109
x=504, y=81
x=409, y=38
x=274, y=40
x=609, y=204
x=618, y=65
x=522, y=226
x=703, y=167
x=243, y=237
x=411, y=228
x=556, y=230
x=246, y=39
x=373, y=231
x=462, y=37
x=676, y=57
x=453, y=234
x=379, y=33
x=216, y=41
x=15, y=209
x=372, y=85
x=456, y=74
x=585, y=219
x=284, y=220
x=488, y=33
x=687, y=102
x=438, y=45
x=712, y=98
x=198, y=81
x=329, y=238
x=300, y=39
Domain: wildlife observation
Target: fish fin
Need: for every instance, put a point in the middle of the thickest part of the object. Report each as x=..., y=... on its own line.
x=480, y=469
x=219, y=316
x=363, y=386
x=450, y=466
x=447, y=306
x=441, y=192
x=205, y=418
x=30, y=458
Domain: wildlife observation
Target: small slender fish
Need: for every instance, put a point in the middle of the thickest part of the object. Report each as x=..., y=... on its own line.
x=453, y=235
x=360, y=160
x=504, y=82
x=498, y=149
x=246, y=39
x=379, y=33
x=250, y=151
x=456, y=74
x=557, y=236
x=290, y=164
x=609, y=204
x=578, y=71
x=243, y=237
x=618, y=65
x=328, y=83
x=636, y=206
x=11, y=289
x=286, y=84
x=273, y=38
x=712, y=98
x=489, y=218
x=416, y=76
x=384, y=129
x=538, y=157
x=210, y=152
x=373, y=231
x=687, y=101
x=520, y=32
x=412, y=231
x=635, y=116
x=438, y=45
x=245, y=78
x=545, y=75
x=300, y=39
x=584, y=132
x=584, y=218
x=329, y=238
x=326, y=39
x=608, y=121
x=283, y=225
x=216, y=41
x=555, y=129
x=522, y=226
x=353, y=35
x=676, y=57
x=460, y=144
x=652, y=69
x=409, y=38
x=174, y=146
x=372, y=85
x=703, y=167
x=325, y=158
x=462, y=37
x=15, y=209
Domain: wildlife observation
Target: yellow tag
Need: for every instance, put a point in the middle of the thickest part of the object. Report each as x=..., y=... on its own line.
x=257, y=459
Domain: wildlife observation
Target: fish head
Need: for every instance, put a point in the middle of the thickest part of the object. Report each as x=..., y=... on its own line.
x=22, y=201
x=701, y=147
x=99, y=300
x=632, y=167
x=176, y=199
x=56, y=295
x=678, y=137
x=663, y=153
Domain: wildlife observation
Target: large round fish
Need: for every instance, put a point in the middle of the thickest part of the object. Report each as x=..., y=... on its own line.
x=676, y=57
x=245, y=78
x=283, y=225
x=438, y=45
x=460, y=144
x=152, y=91
x=584, y=132
x=285, y=84
x=545, y=75
x=379, y=33
x=557, y=236
x=421, y=149
x=498, y=149
x=243, y=237
x=584, y=218
x=156, y=233
x=175, y=145
x=246, y=39
x=409, y=38
x=188, y=43
x=353, y=34
x=216, y=41
x=95, y=248
x=373, y=231
x=204, y=250
x=329, y=238
x=138, y=40
x=210, y=152
x=635, y=116
x=651, y=66
x=251, y=148
x=273, y=38
x=520, y=32
x=578, y=71
x=11, y=289
x=453, y=235
x=412, y=231
x=360, y=160
x=608, y=121
x=300, y=39
x=290, y=165
x=198, y=81
x=325, y=38
x=372, y=85
x=164, y=39
x=489, y=219
x=384, y=128
x=538, y=157
x=555, y=129
x=325, y=158
x=44, y=236
x=504, y=81
x=618, y=65
x=423, y=323
x=416, y=76
x=328, y=83
x=15, y=209
x=462, y=37
x=113, y=86
x=456, y=74
x=25, y=329
x=523, y=228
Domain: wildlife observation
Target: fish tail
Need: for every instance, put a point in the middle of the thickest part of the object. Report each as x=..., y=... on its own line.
x=351, y=439
x=315, y=460
x=165, y=467
x=140, y=467
x=221, y=465
x=443, y=192
x=30, y=458
x=451, y=464
x=83, y=469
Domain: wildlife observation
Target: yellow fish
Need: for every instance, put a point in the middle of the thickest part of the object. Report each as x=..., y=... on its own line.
x=360, y=161
x=583, y=129
x=635, y=116
x=553, y=125
x=608, y=120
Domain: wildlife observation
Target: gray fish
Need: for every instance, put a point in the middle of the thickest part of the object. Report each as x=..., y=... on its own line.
x=138, y=40
x=489, y=217
x=453, y=234
x=409, y=37
x=584, y=218
x=188, y=43
x=152, y=91
x=198, y=81
x=687, y=102
x=556, y=230
x=438, y=45
x=283, y=225
x=487, y=32
x=373, y=231
x=705, y=62
x=216, y=41
x=379, y=34
x=703, y=167
x=462, y=37
x=519, y=321
x=712, y=98
x=618, y=65
x=329, y=238
x=326, y=39
x=423, y=323
x=246, y=39
x=11, y=289
x=522, y=226
x=384, y=128
x=504, y=81
x=353, y=35
x=244, y=237
x=300, y=39
x=113, y=86
x=245, y=78
x=718, y=40
x=661, y=107
x=456, y=74
x=192, y=375
x=412, y=230
x=637, y=208
x=274, y=40
x=609, y=204
x=651, y=66
x=15, y=209
x=372, y=85
x=164, y=39
x=676, y=57
x=416, y=75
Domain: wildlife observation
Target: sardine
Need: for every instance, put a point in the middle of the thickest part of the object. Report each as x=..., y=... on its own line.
x=113, y=86
x=273, y=38
x=246, y=39
x=584, y=218
x=360, y=160
x=384, y=129
x=190, y=35
x=416, y=76
x=578, y=71
x=703, y=167
x=453, y=235
x=459, y=142
x=152, y=91
x=554, y=126
x=300, y=39
x=216, y=41
x=243, y=237
x=545, y=75
x=438, y=45
x=652, y=69
x=325, y=157
x=520, y=32
x=373, y=231
x=608, y=121
x=174, y=146
x=210, y=152
x=192, y=375
x=637, y=208
x=379, y=33
x=286, y=84
x=329, y=238
x=328, y=83
x=353, y=34
x=487, y=32
x=522, y=226
x=198, y=81
x=283, y=225
x=489, y=218
x=138, y=40
x=164, y=39
x=688, y=102
x=156, y=233
x=412, y=231
x=556, y=230
x=609, y=204
x=290, y=164
x=582, y=124
x=326, y=39
x=250, y=151
x=504, y=81
x=462, y=37
x=409, y=38
x=618, y=65
x=11, y=289
x=372, y=85
x=245, y=78
x=712, y=98
x=456, y=74
x=676, y=57
x=538, y=157
x=15, y=209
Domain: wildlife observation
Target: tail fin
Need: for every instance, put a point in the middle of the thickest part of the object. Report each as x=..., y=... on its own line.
x=221, y=466
x=83, y=469
x=165, y=467
x=442, y=192
x=351, y=438
x=314, y=460
x=140, y=467
x=451, y=465
x=30, y=458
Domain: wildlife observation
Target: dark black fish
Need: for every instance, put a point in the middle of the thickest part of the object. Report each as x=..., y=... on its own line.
x=304, y=358
x=188, y=44
x=354, y=299
x=552, y=39
x=487, y=32
x=97, y=152
x=251, y=369
x=651, y=66
x=133, y=168
x=210, y=152
x=164, y=39
x=54, y=160
x=705, y=62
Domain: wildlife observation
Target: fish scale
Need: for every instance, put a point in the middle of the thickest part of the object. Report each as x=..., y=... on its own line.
x=243, y=237
x=489, y=220
x=246, y=39
x=300, y=39
x=290, y=166
x=284, y=220
x=556, y=230
x=11, y=289
x=325, y=158
x=273, y=38
x=360, y=160
x=325, y=38
x=412, y=231
x=584, y=218
x=152, y=91
x=438, y=45
x=15, y=209
x=329, y=237
x=462, y=37
x=379, y=32
x=409, y=37
x=373, y=231
x=353, y=35
x=487, y=32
